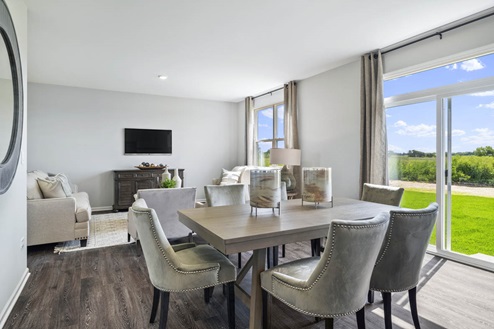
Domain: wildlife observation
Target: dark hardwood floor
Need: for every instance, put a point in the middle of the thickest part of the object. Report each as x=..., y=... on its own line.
x=110, y=288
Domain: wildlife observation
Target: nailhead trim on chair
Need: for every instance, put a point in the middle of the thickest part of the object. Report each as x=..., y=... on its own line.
x=326, y=265
x=216, y=268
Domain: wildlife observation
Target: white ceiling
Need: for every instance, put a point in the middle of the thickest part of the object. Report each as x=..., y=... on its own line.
x=216, y=49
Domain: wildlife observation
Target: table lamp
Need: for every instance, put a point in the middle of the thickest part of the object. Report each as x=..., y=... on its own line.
x=286, y=157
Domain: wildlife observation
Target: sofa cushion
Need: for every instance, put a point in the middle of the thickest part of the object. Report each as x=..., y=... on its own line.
x=230, y=177
x=55, y=187
x=83, y=208
x=33, y=190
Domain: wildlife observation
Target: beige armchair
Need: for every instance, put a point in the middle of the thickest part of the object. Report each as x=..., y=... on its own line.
x=182, y=267
x=336, y=283
x=52, y=218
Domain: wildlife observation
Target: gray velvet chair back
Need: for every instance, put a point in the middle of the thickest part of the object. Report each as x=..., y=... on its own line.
x=166, y=202
x=402, y=253
x=339, y=283
x=382, y=194
x=161, y=260
x=225, y=195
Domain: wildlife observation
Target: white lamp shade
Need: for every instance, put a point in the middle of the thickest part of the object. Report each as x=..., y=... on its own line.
x=289, y=157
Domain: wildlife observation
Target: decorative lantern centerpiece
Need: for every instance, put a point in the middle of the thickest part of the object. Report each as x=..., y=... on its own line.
x=265, y=189
x=316, y=186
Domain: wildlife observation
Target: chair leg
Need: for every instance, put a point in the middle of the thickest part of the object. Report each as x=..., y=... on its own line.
x=266, y=309
x=387, y=310
x=370, y=296
x=282, y=251
x=83, y=243
x=268, y=257
x=208, y=292
x=412, y=296
x=328, y=323
x=361, y=318
x=165, y=301
x=128, y=237
x=154, y=308
x=239, y=260
x=231, y=304
x=275, y=255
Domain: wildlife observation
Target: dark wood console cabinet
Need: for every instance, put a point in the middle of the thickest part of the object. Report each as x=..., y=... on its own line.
x=127, y=182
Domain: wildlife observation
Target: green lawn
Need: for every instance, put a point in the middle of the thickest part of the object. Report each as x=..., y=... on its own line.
x=472, y=223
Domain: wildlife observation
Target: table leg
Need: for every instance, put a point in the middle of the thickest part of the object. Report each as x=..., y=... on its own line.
x=259, y=258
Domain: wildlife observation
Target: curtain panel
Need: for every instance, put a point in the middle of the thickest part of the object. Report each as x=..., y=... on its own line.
x=373, y=145
x=291, y=117
x=249, y=131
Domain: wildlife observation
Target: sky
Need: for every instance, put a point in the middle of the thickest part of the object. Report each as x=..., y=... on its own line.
x=413, y=127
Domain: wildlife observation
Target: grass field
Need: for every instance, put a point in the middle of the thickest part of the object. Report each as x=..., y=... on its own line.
x=472, y=229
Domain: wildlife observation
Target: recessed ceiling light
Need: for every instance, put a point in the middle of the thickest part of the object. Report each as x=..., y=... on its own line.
x=162, y=77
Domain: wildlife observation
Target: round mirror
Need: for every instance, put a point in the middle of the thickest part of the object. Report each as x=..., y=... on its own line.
x=6, y=102
x=11, y=100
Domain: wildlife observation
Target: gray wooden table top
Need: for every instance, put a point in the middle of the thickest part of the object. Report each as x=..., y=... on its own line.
x=233, y=229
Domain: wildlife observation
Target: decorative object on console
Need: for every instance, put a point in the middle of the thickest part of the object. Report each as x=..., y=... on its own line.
x=177, y=179
x=265, y=191
x=168, y=183
x=286, y=157
x=316, y=186
x=147, y=165
x=166, y=174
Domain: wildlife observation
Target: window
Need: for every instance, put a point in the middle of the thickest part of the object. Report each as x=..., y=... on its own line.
x=269, y=131
x=440, y=130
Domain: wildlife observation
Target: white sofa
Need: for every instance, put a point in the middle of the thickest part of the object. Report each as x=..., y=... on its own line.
x=55, y=215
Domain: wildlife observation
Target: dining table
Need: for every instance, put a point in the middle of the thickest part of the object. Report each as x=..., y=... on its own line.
x=237, y=228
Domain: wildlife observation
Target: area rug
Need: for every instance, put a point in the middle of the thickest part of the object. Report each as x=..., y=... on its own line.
x=105, y=230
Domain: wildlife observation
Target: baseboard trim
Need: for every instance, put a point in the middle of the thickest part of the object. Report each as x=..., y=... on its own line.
x=106, y=208
x=13, y=299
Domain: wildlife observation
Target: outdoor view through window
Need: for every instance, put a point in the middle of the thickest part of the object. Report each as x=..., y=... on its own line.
x=270, y=131
x=447, y=111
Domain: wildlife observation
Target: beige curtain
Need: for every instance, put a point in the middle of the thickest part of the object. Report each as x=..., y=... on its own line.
x=291, y=118
x=249, y=131
x=373, y=146
x=291, y=127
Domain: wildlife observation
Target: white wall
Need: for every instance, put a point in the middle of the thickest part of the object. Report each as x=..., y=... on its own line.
x=13, y=203
x=80, y=132
x=329, y=124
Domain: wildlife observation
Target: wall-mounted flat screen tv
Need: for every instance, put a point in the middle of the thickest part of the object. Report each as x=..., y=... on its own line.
x=148, y=141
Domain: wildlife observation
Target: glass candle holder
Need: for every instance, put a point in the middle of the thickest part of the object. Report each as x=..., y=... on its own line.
x=265, y=191
x=316, y=186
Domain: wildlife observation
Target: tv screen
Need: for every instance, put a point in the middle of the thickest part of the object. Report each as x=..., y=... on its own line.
x=148, y=141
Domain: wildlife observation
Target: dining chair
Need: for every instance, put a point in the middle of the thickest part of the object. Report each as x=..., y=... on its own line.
x=182, y=267
x=336, y=283
x=400, y=259
x=389, y=195
x=166, y=202
x=226, y=195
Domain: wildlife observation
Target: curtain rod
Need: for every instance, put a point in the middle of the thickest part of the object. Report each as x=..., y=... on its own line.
x=440, y=34
x=269, y=92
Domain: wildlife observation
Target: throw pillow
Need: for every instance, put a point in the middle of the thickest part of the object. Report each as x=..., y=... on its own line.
x=230, y=177
x=55, y=186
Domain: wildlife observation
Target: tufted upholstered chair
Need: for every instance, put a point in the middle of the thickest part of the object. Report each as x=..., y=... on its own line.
x=226, y=195
x=336, y=283
x=382, y=194
x=166, y=202
x=181, y=267
x=402, y=253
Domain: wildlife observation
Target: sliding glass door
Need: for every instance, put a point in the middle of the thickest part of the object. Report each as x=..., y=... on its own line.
x=440, y=128
x=468, y=140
